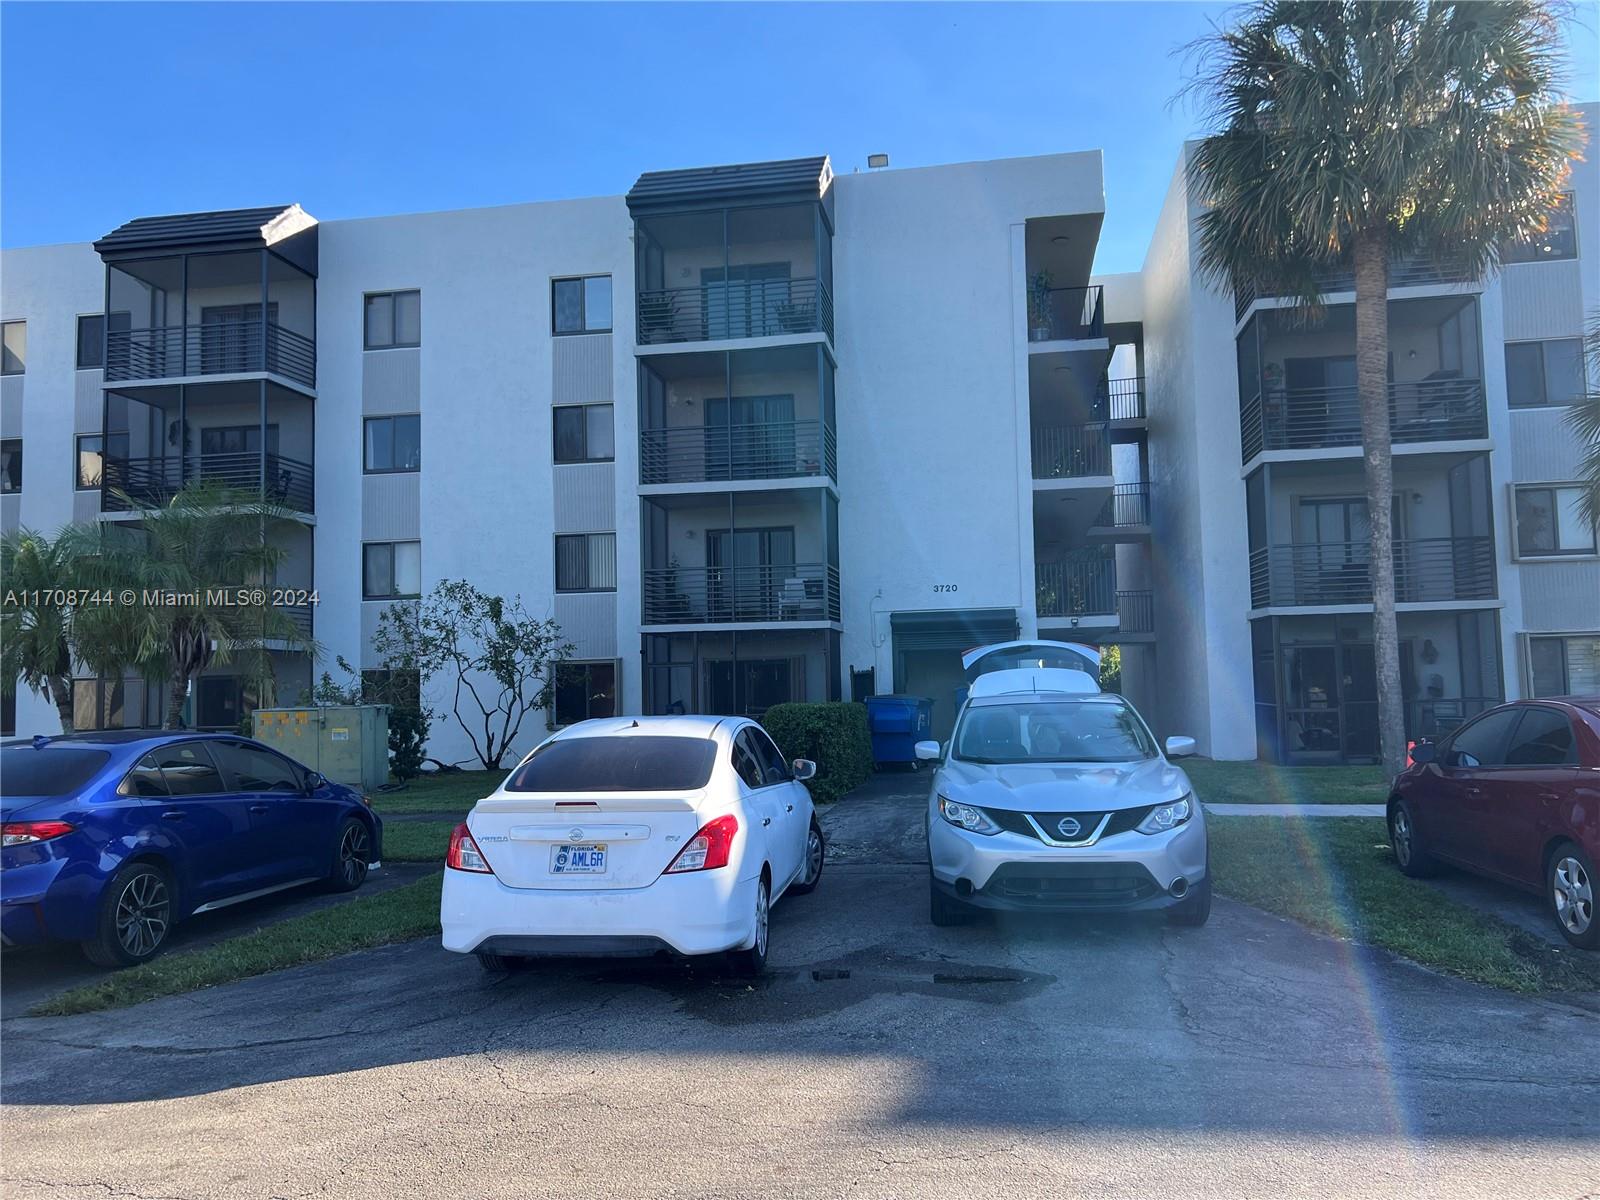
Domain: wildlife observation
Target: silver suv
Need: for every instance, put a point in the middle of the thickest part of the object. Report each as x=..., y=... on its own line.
x=1062, y=801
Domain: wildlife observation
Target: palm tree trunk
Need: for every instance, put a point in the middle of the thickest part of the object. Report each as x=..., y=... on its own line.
x=176, y=695
x=1372, y=386
x=61, y=695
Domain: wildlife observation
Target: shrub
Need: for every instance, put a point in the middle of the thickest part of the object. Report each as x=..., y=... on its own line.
x=833, y=735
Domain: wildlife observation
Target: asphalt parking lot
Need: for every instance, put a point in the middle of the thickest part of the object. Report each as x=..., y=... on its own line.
x=879, y=1058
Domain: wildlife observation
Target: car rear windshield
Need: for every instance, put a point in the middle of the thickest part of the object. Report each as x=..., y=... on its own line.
x=52, y=771
x=617, y=764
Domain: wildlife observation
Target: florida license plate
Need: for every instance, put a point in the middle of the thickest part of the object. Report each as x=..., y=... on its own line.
x=578, y=860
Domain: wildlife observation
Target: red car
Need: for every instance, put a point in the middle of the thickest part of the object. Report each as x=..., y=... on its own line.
x=1513, y=794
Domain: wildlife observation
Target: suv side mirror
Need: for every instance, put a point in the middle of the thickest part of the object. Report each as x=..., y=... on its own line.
x=1423, y=752
x=804, y=769
x=926, y=751
x=1180, y=747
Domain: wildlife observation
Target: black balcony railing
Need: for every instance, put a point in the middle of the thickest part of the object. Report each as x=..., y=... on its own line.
x=1071, y=451
x=1123, y=398
x=300, y=614
x=764, y=592
x=1403, y=272
x=1127, y=507
x=738, y=309
x=706, y=453
x=1066, y=314
x=1426, y=570
x=1136, y=612
x=213, y=348
x=1084, y=588
x=1424, y=410
x=151, y=482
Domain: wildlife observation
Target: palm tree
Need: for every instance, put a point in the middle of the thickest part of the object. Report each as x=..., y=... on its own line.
x=1356, y=131
x=208, y=555
x=1584, y=420
x=36, y=630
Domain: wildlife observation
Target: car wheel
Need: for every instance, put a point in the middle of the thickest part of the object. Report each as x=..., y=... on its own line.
x=943, y=910
x=497, y=964
x=1570, y=886
x=753, y=961
x=136, y=915
x=352, y=852
x=816, y=851
x=1410, y=853
x=1193, y=910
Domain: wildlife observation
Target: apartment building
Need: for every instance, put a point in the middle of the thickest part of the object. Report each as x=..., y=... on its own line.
x=761, y=433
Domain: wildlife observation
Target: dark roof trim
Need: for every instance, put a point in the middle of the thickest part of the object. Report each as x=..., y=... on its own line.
x=790, y=180
x=239, y=228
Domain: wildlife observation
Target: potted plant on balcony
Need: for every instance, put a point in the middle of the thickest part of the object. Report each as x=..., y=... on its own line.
x=1039, y=323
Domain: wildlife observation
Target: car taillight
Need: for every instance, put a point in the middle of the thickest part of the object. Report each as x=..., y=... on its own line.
x=464, y=854
x=24, y=833
x=708, y=849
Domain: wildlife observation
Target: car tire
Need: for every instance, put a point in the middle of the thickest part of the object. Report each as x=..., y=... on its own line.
x=137, y=912
x=1410, y=852
x=497, y=964
x=816, y=852
x=1570, y=886
x=752, y=961
x=352, y=851
x=945, y=911
x=1194, y=910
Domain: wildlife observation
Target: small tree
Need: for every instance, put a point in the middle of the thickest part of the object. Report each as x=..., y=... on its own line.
x=1584, y=420
x=36, y=632
x=498, y=660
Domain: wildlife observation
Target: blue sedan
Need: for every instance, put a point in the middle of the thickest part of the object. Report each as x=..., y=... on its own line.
x=111, y=838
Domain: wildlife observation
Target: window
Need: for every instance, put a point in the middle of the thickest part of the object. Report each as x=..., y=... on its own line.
x=8, y=714
x=13, y=347
x=393, y=319
x=56, y=770
x=1541, y=373
x=92, y=338
x=1565, y=665
x=773, y=768
x=219, y=702
x=89, y=461
x=237, y=439
x=10, y=466
x=145, y=779
x=254, y=770
x=1549, y=521
x=1482, y=743
x=189, y=769
x=745, y=763
x=583, y=433
x=1544, y=739
x=391, y=570
x=585, y=690
x=582, y=305
x=586, y=562
x=1558, y=241
x=393, y=444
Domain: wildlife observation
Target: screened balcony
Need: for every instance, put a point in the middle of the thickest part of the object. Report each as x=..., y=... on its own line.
x=255, y=437
x=738, y=671
x=212, y=293
x=746, y=415
x=741, y=557
x=1297, y=380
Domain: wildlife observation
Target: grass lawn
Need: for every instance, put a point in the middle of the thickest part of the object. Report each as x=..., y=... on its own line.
x=454, y=792
x=1337, y=875
x=1266, y=783
x=416, y=841
x=406, y=912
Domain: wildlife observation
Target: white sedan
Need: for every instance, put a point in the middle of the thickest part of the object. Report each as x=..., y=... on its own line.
x=634, y=836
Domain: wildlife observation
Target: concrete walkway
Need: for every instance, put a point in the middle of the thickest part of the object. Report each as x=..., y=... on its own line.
x=1295, y=810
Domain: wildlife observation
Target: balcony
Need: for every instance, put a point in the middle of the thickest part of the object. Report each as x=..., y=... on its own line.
x=1066, y=314
x=1403, y=273
x=1123, y=399
x=229, y=347
x=1086, y=587
x=756, y=308
x=1426, y=571
x=722, y=453
x=1425, y=410
x=1136, y=612
x=152, y=482
x=777, y=592
x=1127, y=509
x=1071, y=451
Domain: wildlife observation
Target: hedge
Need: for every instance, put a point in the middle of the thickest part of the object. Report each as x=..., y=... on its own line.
x=833, y=735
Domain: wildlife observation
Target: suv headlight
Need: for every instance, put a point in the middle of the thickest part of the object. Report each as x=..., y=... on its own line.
x=966, y=816
x=1168, y=816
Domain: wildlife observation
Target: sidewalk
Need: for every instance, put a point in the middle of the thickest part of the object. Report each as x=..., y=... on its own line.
x=1295, y=810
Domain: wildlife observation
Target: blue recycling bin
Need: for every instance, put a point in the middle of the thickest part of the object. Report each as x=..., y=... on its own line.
x=897, y=724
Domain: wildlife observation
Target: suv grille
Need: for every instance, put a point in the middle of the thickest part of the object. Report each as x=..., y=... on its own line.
x=1090, y=885
x=1122, y=820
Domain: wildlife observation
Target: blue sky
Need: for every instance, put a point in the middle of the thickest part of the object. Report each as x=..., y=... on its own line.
x=121, y=110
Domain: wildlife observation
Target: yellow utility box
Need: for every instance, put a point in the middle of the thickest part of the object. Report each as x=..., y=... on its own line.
x=349, y=743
